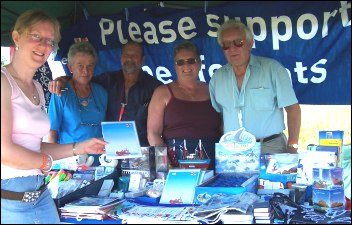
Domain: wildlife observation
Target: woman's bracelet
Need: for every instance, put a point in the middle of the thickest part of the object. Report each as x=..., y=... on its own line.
x=47, y=163
x=44, y=161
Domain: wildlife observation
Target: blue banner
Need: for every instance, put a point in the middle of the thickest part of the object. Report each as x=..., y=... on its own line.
x=311, y=39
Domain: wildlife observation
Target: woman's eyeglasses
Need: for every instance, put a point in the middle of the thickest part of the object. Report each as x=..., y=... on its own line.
x=81, y=111
x=190, y=61
x=227, y=44
x=37, y=38
x=89, y=124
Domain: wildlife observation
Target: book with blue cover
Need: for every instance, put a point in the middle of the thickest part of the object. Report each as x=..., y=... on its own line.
x=180, y=186
x=122, y=140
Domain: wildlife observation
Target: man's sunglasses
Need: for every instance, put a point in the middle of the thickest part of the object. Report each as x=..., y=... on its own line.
x=227, y=44
x=190, y=61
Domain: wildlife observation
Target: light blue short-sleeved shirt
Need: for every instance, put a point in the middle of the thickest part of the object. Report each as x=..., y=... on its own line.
x=66, y=114
x=266, y=89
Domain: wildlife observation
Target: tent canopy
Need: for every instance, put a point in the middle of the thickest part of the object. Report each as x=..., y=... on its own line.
x=70, y=13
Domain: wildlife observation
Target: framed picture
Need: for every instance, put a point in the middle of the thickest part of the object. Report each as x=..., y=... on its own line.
x=122, y=140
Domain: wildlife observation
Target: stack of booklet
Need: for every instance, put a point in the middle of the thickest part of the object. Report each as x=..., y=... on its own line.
x=236, y=217
x=262, y=212
x=90, y=207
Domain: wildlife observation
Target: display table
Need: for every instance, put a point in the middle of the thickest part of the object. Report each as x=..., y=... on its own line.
x=89, y=221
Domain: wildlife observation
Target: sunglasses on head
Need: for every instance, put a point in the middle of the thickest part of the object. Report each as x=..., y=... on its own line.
x=227, y=44
x=190, y=61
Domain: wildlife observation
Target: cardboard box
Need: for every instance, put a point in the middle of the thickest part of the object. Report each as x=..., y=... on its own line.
x=91, y=189
x=323, y=148
x=152, y=165
x=307, y=160
x=144, y=165
x=161, y=162
x=329, y=198
x=328, y=178
x=283, y=172
x=332, y=138
x=227, y=183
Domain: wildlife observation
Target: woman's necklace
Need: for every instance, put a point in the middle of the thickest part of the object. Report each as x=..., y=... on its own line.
x=34, y=95
x=83, y=101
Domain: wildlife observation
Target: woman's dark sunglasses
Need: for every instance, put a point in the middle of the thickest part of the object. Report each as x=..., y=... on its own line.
x=190, y=61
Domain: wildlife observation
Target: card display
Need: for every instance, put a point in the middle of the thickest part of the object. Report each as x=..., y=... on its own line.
x=122, y=140
x=180, y=186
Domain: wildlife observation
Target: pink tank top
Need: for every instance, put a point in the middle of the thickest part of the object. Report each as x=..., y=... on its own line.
x=190, y=119
x=30, y=124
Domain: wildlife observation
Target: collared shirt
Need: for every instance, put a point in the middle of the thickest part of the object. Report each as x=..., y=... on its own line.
x=258, y=106
x=139, y=96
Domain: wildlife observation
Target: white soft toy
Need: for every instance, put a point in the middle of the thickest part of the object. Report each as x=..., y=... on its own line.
x=107, y=162
x=84, y=160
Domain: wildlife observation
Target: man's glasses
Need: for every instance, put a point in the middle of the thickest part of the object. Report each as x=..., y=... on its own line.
x=227, y=44
x=37, y=38
x=190, y=61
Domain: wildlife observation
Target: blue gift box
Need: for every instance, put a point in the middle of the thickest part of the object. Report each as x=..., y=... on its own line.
x=227, y=183
x=329, y=198
x=285, y=178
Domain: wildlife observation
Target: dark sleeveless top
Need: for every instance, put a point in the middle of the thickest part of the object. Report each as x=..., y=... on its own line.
x=190, y=119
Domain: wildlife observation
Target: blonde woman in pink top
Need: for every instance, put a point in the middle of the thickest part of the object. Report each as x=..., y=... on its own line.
x=25, y=159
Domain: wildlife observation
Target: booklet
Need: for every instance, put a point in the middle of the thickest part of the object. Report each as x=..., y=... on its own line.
x=91, y=204
x=180, y=186
x=122, y=140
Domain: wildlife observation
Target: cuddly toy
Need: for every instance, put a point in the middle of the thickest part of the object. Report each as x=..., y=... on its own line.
x=84, y=160
x=107, y=162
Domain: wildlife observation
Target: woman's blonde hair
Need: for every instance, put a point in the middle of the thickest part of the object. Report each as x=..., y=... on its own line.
x=31, y=17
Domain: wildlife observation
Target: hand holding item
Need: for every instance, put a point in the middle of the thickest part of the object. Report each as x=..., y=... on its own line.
x=90, y=146
x=57, y=85
x=292, y=148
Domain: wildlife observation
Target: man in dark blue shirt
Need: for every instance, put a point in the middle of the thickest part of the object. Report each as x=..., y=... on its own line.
x=129, y=89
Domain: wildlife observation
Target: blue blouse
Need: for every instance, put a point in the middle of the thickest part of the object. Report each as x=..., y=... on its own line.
x=73, y=121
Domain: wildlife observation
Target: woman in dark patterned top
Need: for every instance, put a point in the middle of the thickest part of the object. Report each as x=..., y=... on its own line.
x=180, y=113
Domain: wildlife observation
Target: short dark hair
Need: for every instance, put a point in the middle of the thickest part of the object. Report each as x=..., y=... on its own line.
x=133, y=43
x=187, y=45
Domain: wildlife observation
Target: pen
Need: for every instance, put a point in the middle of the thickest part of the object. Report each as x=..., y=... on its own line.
x=63, y=89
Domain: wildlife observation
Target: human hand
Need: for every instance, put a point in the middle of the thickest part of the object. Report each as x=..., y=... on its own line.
x=57, y=86
x=91, y=146
x=292, y=150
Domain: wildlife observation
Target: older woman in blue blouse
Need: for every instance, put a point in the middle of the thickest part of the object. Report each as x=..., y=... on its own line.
x=77, y=114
